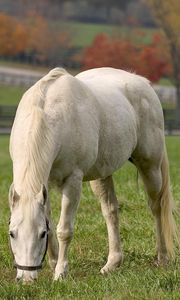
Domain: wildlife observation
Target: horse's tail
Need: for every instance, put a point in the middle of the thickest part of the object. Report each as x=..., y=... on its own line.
x=41, y=86
x=54, y=74
x=169, y=228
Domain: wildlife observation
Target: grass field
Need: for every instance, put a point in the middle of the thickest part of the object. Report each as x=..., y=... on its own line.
x=82, y=34
x=10, y=95
x=137, y=278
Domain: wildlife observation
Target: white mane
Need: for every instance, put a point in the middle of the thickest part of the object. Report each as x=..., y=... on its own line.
x=38, y=145
x=37, y=149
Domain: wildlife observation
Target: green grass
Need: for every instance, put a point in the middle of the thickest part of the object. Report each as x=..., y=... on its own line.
x=82, y=34
x=10, y=95
x=137, y=278
x=165, y=82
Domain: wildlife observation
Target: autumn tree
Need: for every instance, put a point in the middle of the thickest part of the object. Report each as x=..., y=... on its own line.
x=38, y=36
x=45, y=43
x=32, y=37
x=152, y=64
x=146, y=60
x=167, y=13
x=13, y=38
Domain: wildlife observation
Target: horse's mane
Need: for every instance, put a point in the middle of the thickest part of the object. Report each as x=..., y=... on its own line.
x=38, y=142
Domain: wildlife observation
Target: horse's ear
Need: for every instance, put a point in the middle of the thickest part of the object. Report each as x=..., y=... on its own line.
x=13, y=196
x=42, y=196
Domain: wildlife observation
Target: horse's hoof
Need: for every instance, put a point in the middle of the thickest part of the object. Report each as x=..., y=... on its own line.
x=112, y=264
x=161, y=262
x=61, y=271
x=104, y=271
x=60, y=277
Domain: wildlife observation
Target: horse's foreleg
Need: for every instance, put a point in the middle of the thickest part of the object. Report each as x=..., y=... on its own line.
x=104, y=190
x=52, y=240
x=70, y=199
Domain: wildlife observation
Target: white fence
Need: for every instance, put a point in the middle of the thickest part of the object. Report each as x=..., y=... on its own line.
x=20, y=77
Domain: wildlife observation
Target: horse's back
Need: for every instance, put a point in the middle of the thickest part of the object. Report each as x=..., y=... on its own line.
x=136, y=89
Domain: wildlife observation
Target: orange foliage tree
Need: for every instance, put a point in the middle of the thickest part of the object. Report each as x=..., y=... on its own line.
x=34, y=38
x=146, y=60
x=45, y=43
x=38, y=36
x=13, y=38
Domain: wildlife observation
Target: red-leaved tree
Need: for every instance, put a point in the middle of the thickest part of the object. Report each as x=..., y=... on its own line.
x=146, y=60
x=154, y=60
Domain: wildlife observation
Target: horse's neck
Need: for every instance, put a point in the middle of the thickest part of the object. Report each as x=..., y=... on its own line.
x=32, y=141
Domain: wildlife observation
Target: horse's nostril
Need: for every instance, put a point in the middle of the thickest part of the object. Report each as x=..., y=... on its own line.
x=18, y=279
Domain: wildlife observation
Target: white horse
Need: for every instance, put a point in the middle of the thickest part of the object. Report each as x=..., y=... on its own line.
x=83, y=128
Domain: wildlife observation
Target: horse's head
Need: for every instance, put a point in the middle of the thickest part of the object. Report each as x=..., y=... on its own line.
x=28, y=230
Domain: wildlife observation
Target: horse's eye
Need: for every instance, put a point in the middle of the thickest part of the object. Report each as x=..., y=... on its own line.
x=11, y=234
x=43, y=234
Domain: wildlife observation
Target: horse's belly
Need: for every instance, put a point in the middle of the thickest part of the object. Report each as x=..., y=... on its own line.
x=113, y=153
x=102, y=170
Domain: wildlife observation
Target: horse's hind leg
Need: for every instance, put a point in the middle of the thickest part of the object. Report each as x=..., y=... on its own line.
x=104, y=190
x=155, y=174
x=153, y=181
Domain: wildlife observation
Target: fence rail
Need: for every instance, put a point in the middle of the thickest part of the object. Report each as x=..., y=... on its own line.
x=7, y=114
x=18, y=77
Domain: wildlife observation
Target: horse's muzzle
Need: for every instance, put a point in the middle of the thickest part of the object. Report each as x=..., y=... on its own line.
x=26, y=277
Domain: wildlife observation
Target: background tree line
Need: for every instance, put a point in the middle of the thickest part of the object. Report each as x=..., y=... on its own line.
x=167, y=14
x=127, y=12
x=33, y=40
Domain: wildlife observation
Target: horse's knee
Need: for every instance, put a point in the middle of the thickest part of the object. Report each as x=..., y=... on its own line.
x=64, y=235
x=110, y=212
x=153, y=184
